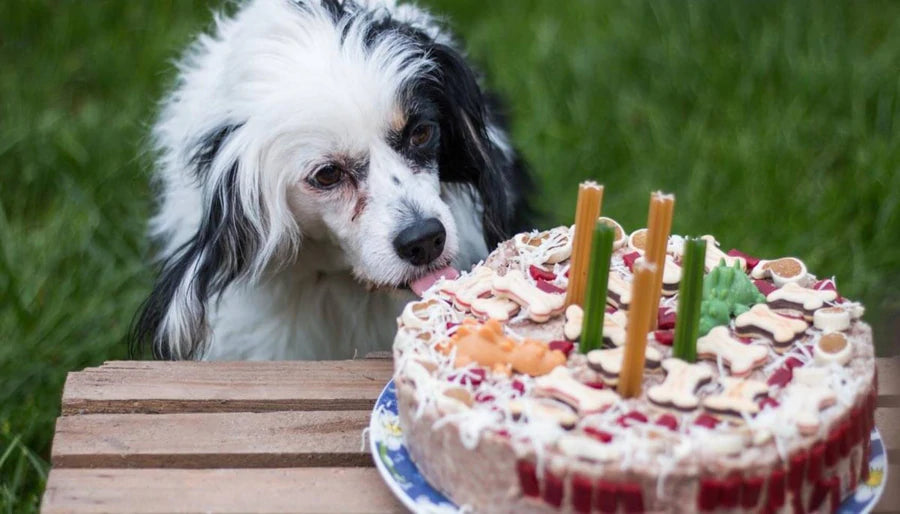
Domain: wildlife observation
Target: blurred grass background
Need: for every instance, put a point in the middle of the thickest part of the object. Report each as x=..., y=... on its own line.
x=775, y=123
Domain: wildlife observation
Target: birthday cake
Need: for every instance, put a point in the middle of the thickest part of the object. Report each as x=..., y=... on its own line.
x=504, y=409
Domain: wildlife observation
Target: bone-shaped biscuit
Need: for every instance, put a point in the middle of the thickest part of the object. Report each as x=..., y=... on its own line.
x=831, y=319
x=419, y=314
x=741, y=358
x=557, y=242
x=544, y=408
x=618, y=291
x=679, y=388
x=609, y=362
x=614, y=325
x=783, y=271
x=574, y=322
x=470, y=287
x=671, y=275
x=761, y=320
x=794, y=297
x=804, y=403
x=714, y=255
x=738, y=396
x=561, y=385
x=494, y=307
x=540, y=305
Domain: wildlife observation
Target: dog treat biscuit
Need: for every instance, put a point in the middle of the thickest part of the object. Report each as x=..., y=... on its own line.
x=679, y=390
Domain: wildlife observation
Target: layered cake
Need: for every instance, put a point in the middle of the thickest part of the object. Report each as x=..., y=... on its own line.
x=503, y=413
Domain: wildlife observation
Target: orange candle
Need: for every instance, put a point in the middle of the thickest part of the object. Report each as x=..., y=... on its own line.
x=590, y=198
x=637, y=328
x=659, y=225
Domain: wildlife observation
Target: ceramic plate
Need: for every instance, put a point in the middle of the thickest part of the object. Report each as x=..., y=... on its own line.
x=404, y=479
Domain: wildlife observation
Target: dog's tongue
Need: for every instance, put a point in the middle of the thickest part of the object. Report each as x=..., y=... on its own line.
x=420, y=285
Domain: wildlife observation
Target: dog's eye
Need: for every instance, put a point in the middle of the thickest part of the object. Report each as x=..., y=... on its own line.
x=422, y=135
x=327, y=176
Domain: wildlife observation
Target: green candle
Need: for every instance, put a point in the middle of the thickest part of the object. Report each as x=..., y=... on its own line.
x=598, y=279
x=690, y=293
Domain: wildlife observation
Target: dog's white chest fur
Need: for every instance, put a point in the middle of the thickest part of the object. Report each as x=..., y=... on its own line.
x=330, y=317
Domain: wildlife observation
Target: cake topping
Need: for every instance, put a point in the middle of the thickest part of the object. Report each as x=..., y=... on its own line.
x=782, y=271
x=738, y=397
x=544, y=408
x=620, y=239
x=554, y=244
x=460, y=394
x=609, y=362
x=574, y=320
x=741, y=358
x=495, y=307
x=584, y=447
x=727, y=291
x=561, y=385
x=831, y=319
x=833, y=347
x=795, y=298
x=486, y=345
x=614, y=328
x=470, y=287
x=679, y=388
x=540, y=305
x=419, y=314
x=671, y=277
x=714, y=256
x=803, y=403
x=760, y=320
x=619, y=291
x=637, y=241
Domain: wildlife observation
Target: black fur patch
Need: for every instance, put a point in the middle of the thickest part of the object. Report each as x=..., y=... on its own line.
x=208, y=147
x=220, y=249
x=467, y=153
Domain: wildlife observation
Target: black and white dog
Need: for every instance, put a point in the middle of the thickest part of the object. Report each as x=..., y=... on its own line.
x=317, y=159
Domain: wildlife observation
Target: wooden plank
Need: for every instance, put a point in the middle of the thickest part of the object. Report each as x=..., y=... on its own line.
x=212, y=440
x=160, y=387
x=300, y=490
x=888, y=423
x=888, y=381
x=890, y=499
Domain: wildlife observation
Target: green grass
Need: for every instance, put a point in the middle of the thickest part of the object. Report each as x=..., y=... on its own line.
x=776, y=124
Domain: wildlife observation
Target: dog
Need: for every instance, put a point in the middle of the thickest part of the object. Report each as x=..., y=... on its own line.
x=316, y=160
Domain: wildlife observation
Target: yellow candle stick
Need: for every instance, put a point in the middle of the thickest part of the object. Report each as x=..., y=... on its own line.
x=637, y=328
x=590, y=197
x=659, y=225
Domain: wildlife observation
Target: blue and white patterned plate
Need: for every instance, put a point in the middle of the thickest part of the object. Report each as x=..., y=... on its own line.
x=403, y=477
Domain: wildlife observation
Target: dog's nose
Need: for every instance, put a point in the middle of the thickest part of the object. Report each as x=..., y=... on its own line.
x=421, y=242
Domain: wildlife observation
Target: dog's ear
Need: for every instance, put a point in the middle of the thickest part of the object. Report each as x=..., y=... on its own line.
x=468, y=154
x=173, y=318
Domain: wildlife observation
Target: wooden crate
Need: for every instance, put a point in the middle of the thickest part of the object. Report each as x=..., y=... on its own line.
x=254, y=437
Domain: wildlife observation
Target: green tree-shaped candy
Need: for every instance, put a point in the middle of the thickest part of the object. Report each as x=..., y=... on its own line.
x=727, y=292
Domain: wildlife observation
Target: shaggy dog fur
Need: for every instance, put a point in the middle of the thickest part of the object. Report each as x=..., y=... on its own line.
x=305, y=144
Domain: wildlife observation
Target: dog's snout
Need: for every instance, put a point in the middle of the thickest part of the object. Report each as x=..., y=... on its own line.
x=421, y=242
